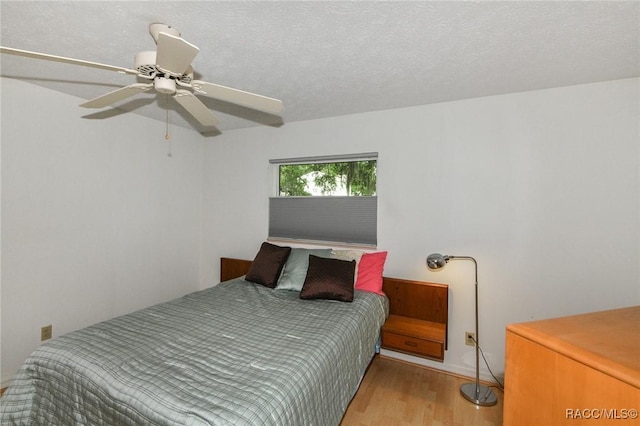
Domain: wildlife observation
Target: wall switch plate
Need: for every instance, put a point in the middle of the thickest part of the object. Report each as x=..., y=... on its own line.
x=469, y=338
x=46, y=332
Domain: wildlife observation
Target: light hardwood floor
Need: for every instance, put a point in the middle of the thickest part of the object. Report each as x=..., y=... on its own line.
x=395, y=393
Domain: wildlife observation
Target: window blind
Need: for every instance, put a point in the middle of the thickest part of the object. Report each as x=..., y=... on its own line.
x=331, y=219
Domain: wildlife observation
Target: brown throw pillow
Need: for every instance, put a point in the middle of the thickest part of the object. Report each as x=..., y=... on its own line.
x=330, y=279
x=268, y=264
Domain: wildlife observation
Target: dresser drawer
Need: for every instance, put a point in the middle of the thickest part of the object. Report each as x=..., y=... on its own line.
x=413, y=345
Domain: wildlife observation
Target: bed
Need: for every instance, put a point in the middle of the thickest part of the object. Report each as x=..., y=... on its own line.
x=239, y=353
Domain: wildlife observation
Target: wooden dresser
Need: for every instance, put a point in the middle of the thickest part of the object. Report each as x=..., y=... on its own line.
x=582, y=369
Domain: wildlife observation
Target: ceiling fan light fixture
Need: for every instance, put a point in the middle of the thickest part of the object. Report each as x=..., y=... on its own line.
x=164, y=85
x=172, y=73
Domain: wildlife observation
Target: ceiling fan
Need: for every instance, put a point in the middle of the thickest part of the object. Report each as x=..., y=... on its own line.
x=168, y=70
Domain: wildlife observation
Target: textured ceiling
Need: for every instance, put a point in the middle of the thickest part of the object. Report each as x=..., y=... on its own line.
x=327, y=59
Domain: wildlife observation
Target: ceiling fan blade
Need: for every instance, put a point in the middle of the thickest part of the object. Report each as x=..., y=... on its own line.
x=174, y=54
x=196, y=108
x=239, y=97
x=117, y=95
x=45, y=56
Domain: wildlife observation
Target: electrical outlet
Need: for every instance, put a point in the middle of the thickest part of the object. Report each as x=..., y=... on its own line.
x=469, y=338
x=46, y=332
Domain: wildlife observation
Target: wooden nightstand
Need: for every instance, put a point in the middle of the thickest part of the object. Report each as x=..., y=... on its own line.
x=418, y=318
x=417, y=337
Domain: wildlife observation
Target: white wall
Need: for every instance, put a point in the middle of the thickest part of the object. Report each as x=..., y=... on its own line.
x=97, y=219
x=541, y=187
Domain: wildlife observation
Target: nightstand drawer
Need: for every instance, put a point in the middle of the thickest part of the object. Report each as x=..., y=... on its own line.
x=413, y=345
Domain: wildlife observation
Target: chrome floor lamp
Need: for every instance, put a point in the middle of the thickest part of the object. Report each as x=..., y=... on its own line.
x=474, y=392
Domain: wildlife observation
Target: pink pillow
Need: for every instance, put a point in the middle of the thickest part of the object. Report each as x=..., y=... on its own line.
x=370, y=270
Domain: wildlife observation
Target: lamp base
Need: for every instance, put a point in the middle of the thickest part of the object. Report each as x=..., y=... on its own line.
x=478, y=394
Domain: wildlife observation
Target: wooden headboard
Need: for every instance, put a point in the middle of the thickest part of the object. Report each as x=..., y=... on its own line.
x=413, y=299
x=233, y=268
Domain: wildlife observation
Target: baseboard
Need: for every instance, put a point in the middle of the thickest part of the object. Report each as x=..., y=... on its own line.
x=463, y=372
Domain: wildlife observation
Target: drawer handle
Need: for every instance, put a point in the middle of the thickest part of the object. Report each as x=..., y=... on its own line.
x=414, y=344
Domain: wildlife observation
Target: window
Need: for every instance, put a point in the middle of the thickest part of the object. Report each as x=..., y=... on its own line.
x=350, y=178
x=327, y=199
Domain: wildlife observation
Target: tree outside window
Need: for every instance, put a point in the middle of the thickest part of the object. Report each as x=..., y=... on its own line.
x=351, y=178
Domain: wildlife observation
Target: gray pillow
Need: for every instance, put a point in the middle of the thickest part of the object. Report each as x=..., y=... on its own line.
x=295, y=270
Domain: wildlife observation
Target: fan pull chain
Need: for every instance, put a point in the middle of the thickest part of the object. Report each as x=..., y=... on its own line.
x=166, y=119
x=166, y=134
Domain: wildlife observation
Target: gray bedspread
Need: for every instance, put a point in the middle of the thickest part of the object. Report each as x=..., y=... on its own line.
x=235, y=354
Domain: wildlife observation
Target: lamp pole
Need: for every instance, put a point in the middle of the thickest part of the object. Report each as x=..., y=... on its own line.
x=473, y=392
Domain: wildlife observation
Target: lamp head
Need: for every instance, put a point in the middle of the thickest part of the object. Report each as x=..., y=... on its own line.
x=437, y=260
